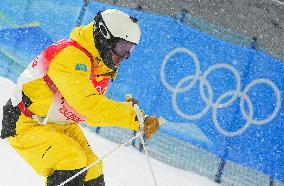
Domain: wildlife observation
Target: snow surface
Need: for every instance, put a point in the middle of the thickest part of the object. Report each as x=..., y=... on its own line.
x=124, y=167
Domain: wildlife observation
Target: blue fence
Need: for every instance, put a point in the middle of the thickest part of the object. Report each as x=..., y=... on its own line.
x=232, y=95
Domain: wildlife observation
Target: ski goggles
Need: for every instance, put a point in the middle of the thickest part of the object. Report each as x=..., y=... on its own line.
x=123, y=49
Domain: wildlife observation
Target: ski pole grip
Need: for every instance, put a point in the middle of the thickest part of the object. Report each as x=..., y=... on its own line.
x=137, y=111
x=140, y=117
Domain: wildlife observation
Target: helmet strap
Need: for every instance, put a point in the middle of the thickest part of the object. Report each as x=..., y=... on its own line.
x=104, y=44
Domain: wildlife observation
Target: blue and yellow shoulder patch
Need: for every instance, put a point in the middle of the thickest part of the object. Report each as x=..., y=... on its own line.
x=81, y=67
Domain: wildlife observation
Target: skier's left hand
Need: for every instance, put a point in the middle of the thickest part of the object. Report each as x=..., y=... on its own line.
x=151, y=125
x=132, y=100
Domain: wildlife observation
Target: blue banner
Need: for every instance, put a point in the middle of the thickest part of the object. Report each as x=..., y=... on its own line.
x=232, y=94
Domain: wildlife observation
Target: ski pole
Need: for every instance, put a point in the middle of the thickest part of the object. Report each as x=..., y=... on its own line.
x=101, y=158
x=141, y=122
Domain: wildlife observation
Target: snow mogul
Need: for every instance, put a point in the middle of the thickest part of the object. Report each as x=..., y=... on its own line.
x=66, y=85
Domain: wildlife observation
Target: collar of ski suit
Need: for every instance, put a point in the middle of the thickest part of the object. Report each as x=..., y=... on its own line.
x=84, y=36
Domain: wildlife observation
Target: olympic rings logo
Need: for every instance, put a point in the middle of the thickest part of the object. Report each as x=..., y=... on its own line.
x=218, y=104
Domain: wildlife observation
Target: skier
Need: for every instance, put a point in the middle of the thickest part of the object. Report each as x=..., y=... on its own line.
x=66, y=85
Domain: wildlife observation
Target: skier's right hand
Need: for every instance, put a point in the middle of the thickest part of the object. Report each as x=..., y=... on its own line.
x=151, y=125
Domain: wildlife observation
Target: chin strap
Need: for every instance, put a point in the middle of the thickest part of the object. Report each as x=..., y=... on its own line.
x=112, y=74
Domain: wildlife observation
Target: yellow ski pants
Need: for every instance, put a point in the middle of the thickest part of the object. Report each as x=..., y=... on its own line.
x=54, y=147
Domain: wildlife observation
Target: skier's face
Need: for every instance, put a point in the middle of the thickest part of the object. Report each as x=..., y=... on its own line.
x=111, y=49
x=116, y=59
x=122, y=50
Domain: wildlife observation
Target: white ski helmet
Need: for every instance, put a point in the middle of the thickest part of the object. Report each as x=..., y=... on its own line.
x=115, y=32
x=121, y=25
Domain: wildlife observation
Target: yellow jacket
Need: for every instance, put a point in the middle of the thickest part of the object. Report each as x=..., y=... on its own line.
x=76, y=87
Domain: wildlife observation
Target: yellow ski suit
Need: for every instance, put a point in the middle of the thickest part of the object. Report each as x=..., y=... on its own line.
x=55, y=146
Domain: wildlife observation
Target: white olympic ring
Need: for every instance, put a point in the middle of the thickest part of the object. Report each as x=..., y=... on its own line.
x=208, y=98
x=163, y=69
x=278, y=100
x=242, y=129
x=187, y=116
x=218, y=66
